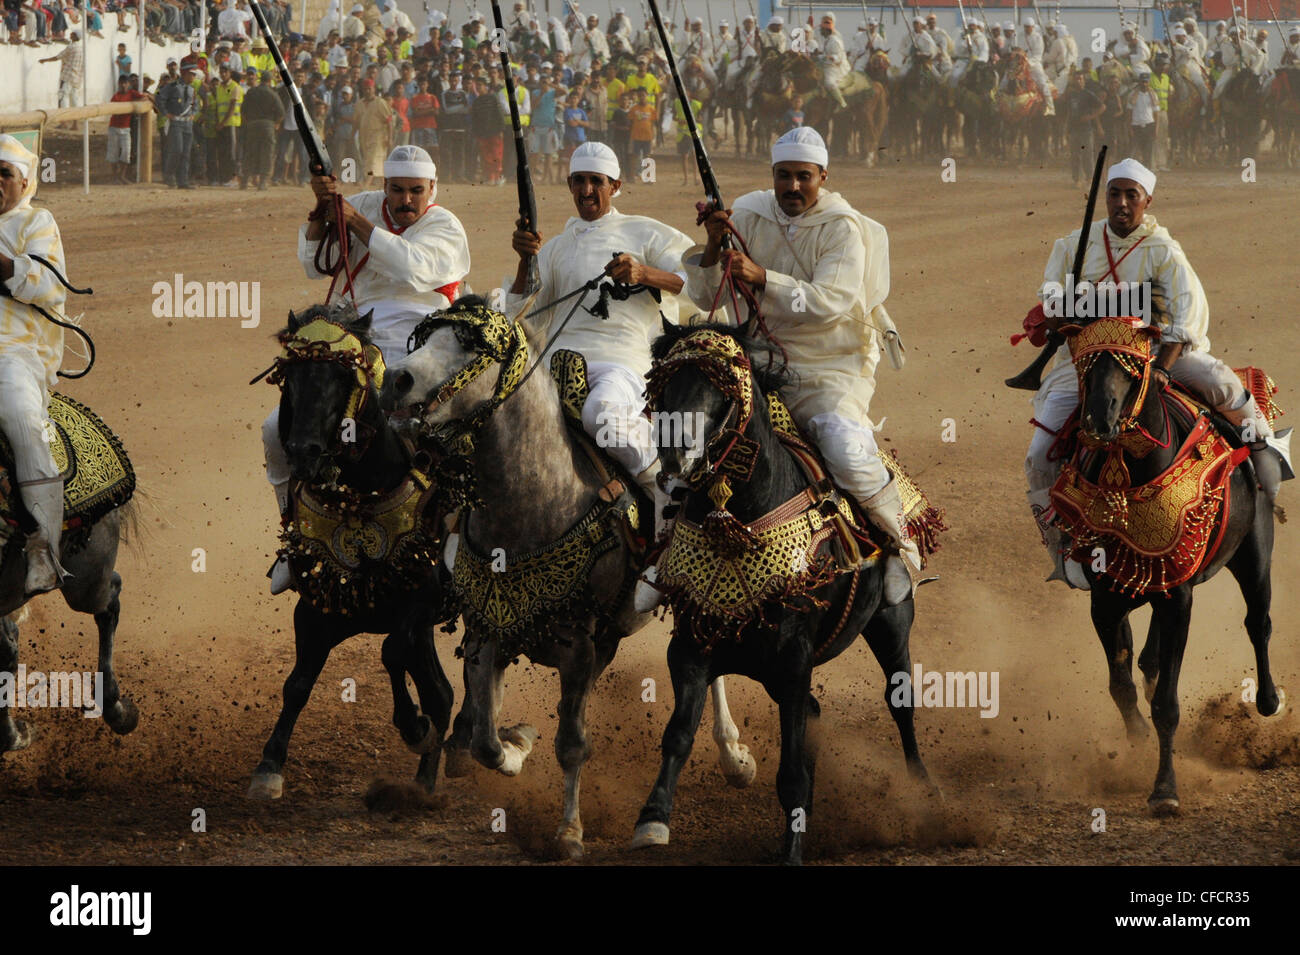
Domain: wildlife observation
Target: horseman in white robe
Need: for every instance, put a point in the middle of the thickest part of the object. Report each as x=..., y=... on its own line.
x=617, y=348
x=1199, y=39
x=1187, y=60
x=1057, y=60
x=773, y=38
x=559, y=38
x=942, y=43
x=1242, y=56
x=1033, y=43
x=835, y=65
x=591, y=45
x=920, y=49
x=409, y=256
x=974, y=48
x=1142, y=251
x=331, y=22
x=31, y=351
x=873, y=42
x=1130, y=48
x=821, y=272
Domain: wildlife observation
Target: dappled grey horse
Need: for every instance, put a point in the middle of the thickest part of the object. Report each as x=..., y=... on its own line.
x=534, y=486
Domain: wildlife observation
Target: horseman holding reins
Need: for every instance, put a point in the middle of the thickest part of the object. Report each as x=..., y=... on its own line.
x=821, y=288
x=31, y=351
x=1131, y=247
x=404, y=257
x=634, y=251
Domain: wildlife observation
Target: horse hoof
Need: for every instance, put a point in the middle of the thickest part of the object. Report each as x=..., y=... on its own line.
x=1149, y=686
x=430, y=741
x=1162, y=807
x=122, y=717
x=569, y=840
x=741, y=771
x=266, y=786
x=521, y=735
x=1281, y=706
x=650, y=834
x=457, y=762
x=22, y=738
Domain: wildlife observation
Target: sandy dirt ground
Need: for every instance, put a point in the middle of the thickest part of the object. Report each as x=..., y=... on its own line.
x=205, y=654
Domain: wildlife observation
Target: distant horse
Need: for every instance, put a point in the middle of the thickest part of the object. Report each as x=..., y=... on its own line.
x=1283, y=103
x=1132, y=436
x=363, y=535
x=975, y=103
x=798, y=612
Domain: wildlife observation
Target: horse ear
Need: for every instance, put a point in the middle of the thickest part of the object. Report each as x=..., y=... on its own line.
x=668, y=326
x=363, y=321
x=295, y=322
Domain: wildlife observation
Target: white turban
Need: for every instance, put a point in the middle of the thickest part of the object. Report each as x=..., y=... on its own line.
x=1062, y=29
x=920, y=20
x=776, y=21
x=801, y=144
x=828, y=16
x=595, y=157
x=409, y=162
x=1008, y=27
x=1132, y=169
x=1179, y=31
x=1028, y=21
x=18, y=156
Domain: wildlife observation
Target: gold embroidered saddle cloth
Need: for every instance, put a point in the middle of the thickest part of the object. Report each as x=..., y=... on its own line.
x=352, y=551
x=1157, y=535
x=97, y=474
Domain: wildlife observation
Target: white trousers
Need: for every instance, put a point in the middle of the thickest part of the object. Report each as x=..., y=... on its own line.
x=1200, y=372
x=24, y=407
x=849, y=448
x=613, y=415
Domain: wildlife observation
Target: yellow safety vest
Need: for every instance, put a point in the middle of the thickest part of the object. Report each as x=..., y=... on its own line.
x=225, y=94
x=1161, y=85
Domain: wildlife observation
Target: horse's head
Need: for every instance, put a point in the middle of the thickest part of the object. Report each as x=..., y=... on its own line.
x=444, y=382
x=328, y=373
x=1112, y=357
x=703, y=391
x=878, y=66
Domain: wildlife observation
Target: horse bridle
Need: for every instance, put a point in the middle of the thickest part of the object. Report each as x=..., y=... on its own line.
x=1128, y=341
x=722, y=360
x=493, y=339
x=324, y=340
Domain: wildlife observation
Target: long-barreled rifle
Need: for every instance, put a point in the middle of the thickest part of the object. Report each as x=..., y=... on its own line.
x=1031, y=379
x=709, y=181
x=318, y=157
x=523, y=176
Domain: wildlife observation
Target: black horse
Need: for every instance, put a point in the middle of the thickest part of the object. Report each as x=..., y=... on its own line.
x=780, y=658
x=1117, y=402
x=318, y=394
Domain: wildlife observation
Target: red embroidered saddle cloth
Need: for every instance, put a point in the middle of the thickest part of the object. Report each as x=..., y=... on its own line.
x=1155, y=536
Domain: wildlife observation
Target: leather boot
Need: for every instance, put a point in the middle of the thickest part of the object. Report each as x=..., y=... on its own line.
x=885, y=510
x=1064, y=569
x=280, y=573
x=44, y=501
x=646, y=597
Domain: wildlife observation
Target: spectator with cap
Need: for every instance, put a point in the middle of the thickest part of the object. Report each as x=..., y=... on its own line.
x=178, y=103
x=262, y=113
x=343, y=128
x=229, y=100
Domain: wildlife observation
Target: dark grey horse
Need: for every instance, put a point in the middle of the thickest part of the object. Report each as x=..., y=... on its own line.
x=94, y=588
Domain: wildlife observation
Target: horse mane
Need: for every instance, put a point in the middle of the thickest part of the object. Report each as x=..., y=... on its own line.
x=342, y=312
x=770, y=372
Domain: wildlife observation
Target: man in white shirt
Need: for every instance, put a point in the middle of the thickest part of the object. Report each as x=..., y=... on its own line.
x=408, y=257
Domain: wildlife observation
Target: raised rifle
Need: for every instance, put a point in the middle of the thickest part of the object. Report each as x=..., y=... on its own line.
x=707, y=178
x=523, y=176
x=317, y=155
x=1031, y=379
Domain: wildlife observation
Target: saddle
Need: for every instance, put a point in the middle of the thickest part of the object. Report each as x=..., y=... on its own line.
x=1157, y=535
x=97, y=474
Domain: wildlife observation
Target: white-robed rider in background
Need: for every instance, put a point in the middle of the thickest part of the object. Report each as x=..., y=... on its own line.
x=973, y=48
x=821, y=272
x=1143, y=251
x=31, y=350
x=409, y=256
x=635, y=250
